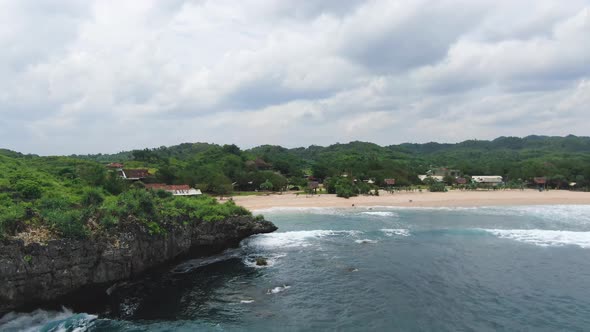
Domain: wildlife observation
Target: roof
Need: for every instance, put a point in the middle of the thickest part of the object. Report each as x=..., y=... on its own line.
x=487, y=178
x=438, y=178
x=163, y=186
x=389, y=182
x=461, y=180
x=115, y=165
x=540, y=180
x=313, y=184
x=139, y=173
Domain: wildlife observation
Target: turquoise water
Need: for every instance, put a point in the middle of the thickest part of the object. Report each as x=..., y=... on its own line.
x=439, y=269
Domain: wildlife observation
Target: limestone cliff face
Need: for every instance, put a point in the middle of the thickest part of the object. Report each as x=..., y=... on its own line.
x=36, y=273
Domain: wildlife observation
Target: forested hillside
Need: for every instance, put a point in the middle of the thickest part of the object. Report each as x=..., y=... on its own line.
x=215, y=167
x=71, y=196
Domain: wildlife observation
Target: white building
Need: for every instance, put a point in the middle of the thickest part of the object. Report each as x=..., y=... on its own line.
x=438, y=178
x=487, y=179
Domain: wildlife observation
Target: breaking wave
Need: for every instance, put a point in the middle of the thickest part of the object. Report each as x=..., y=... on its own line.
x=50, y=321
x=278, y=289
x=293, y=239
x=398, y=231
x=381, y=213
x=308, y=210
x=544, y=238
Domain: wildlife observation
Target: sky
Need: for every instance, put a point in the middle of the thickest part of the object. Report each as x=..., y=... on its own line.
x=107, y=76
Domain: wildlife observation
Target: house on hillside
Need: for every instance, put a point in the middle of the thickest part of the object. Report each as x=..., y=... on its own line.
x=176, y=190
x=134, y=174
x=115, y=166
x=493, y=180
x=443, y=171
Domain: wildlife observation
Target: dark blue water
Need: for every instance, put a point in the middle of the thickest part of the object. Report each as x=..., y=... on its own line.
x=504, y=268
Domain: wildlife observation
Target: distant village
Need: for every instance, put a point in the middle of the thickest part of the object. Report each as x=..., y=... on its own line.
x=443, y=175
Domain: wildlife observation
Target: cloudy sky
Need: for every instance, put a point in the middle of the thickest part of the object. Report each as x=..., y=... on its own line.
x=105, y=76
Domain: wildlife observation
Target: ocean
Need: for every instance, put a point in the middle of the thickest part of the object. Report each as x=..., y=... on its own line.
x=523, y=268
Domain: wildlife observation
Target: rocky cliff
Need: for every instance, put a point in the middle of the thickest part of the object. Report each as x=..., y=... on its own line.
x=37, y=273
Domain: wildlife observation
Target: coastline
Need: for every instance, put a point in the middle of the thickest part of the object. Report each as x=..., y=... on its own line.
x=453, y=198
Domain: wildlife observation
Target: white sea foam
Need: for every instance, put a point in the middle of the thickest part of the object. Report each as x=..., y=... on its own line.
x=381, y=213
x=64, y=320
x=278, y=289
x=545, y=238
x=247, y=301
x=366, y=241
x=293, y=239
x=309, y=210
x=398, y=231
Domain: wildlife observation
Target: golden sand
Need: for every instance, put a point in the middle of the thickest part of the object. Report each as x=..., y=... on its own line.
x=419, y=199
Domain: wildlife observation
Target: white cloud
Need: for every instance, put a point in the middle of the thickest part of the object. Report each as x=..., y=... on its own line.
x=102, y=76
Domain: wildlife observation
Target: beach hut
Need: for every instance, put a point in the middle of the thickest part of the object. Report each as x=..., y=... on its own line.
x=492, y=180
x=540, y=182
x=461, y=180
x=313, y=186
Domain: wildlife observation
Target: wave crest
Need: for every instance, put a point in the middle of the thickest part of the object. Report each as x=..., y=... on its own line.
x=544, y=238
x=293, y=239
x=396, y=231
x=42, y=320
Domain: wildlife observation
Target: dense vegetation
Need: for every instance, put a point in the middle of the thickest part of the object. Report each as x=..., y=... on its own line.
x=72, y=196
x=215, y=168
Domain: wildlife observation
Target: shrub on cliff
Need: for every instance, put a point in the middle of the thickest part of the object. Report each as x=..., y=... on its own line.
x=11, y=218
x=28, y=189
x=70, y=224
x=92, y=198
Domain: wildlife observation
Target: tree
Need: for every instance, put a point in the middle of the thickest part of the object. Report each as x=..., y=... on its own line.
x=322, y=171
x=449, y=180
x=93, y=174
x=345, y=188
x=266, y=185
x=167, y=174
x=232, y=148
x=437, y=187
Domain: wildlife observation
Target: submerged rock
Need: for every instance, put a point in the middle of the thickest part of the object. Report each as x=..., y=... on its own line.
x=261, y=261
x=35, y=273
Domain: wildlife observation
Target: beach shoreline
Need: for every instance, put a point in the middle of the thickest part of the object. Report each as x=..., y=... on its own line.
x=453, y=198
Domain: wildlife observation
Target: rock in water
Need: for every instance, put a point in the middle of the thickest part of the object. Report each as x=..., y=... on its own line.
x=261, y=261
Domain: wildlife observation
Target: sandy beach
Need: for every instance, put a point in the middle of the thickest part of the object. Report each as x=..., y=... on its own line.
x=419, y=199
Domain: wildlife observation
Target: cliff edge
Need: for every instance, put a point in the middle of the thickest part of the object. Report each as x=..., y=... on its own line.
x=35, y=273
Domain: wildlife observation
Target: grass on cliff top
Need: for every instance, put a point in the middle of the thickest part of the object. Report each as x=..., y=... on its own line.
x=74, y=198
x=93, y=211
